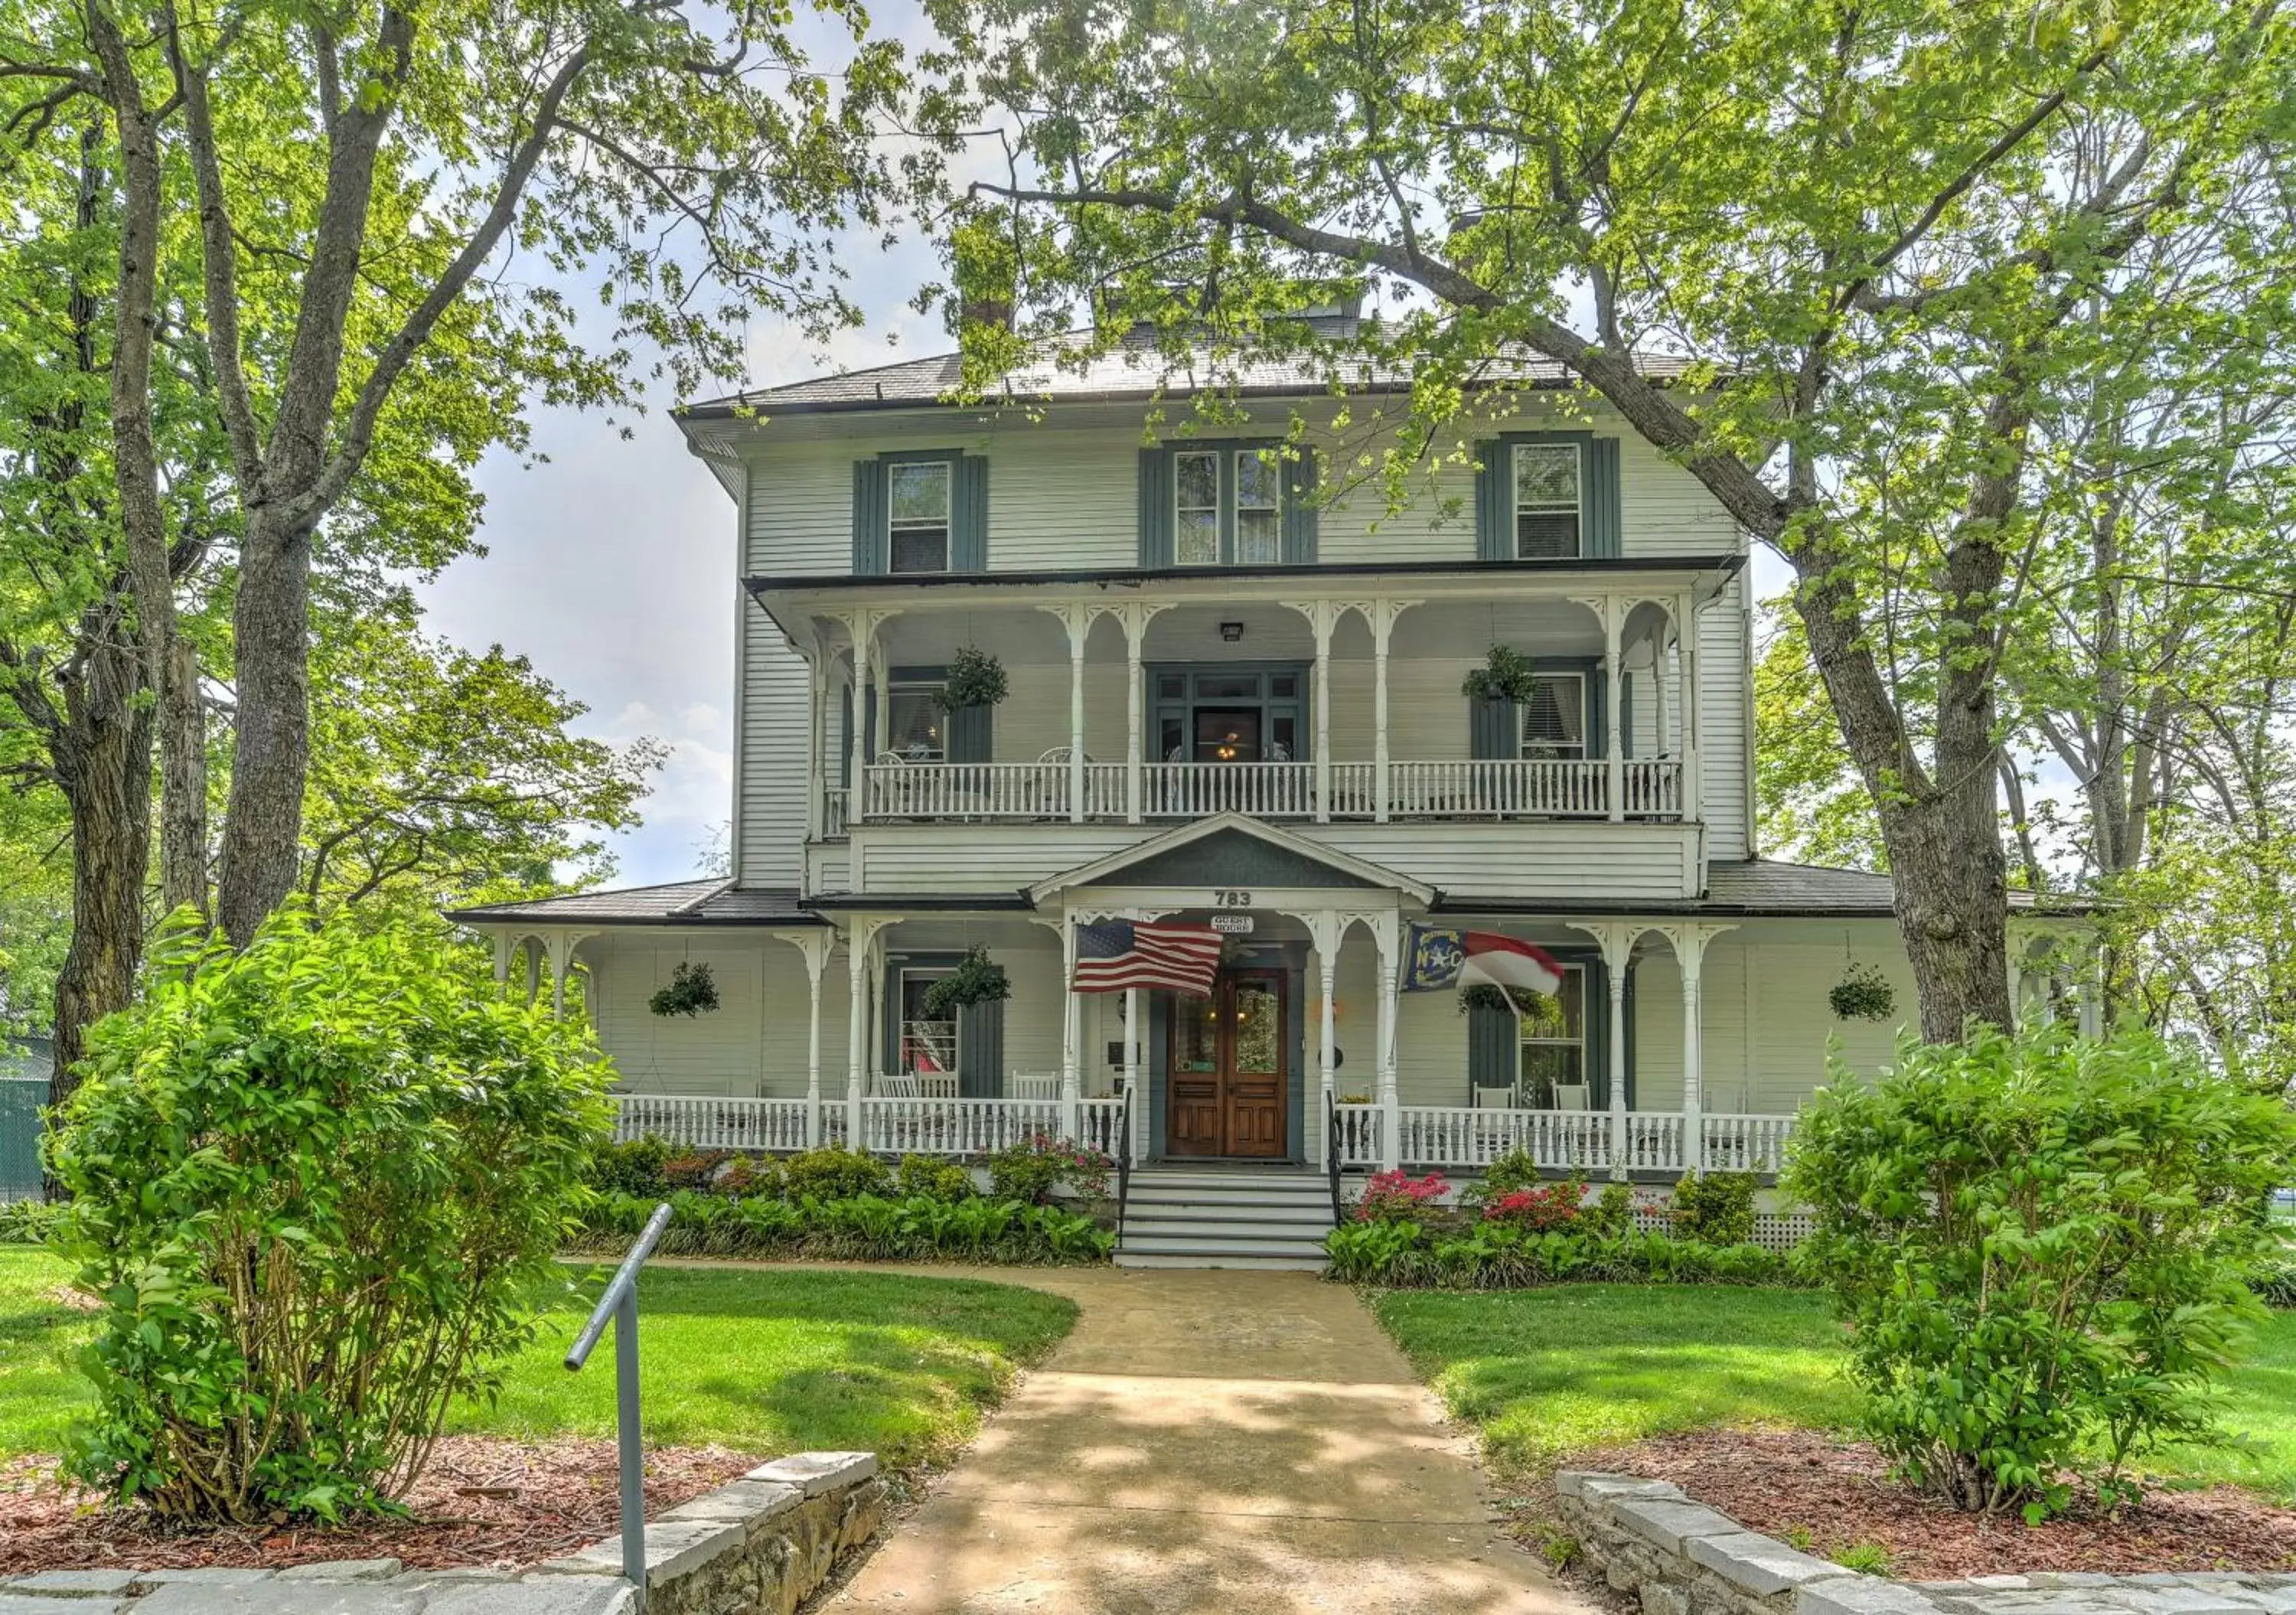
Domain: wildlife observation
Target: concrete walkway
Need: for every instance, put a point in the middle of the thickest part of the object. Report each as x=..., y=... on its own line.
x=1211, y=1441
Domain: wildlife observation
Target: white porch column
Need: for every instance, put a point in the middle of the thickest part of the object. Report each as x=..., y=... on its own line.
x=860, y=943
x=861, y=626
x=562, y=960
x=533, y=946
x=814, y=945
x=1386, y=929
x=1614, y=782
x=1135, y=1040
x=1616, y=938
x=1325, y=928
x=1322, y=615
x=1690, y=950
x=1136, y=630
x=1380, y=616
x=1071, y=1029
x=1693, y=705
x=817, y=770
x=1075, y=618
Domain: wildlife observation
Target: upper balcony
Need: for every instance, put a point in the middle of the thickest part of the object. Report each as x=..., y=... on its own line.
x=1301, y=700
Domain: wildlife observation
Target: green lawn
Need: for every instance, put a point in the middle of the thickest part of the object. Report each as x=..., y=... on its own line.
x=1545, y=1373
x=763, y=1360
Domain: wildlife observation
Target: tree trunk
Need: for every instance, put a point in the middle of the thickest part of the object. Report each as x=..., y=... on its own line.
x=103, y=763
x=271, y=755
x=183, y=780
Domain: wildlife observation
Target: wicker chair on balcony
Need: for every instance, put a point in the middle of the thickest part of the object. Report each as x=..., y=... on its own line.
x=1053, y=790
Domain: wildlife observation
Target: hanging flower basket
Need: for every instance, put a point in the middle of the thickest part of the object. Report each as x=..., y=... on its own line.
x=976, y=979
x=975, y=679
x=1506, y=675
x=1484, y=996
x=1863, y=994
x=692, y=991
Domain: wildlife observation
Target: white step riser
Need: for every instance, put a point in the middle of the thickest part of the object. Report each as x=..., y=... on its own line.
x=1214, y=1218
x=1258, y=1264
x=1295, y=1250
x=1249, y=1227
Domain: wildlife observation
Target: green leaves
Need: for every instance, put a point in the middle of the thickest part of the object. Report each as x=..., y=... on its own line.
x=309, y=1181
x=2041, y=1246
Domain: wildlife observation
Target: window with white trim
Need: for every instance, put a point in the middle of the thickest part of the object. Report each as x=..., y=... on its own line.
x=1195, y=512
x=928, y=1045
x=1258, y=508
x=1553, y=1039
x=1547, y=501
x=916, y=728
x=917, y=494
x=1554, y=717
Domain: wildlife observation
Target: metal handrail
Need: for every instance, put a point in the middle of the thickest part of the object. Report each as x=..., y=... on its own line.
x=1123, y=1159
x=620, y=1303
x=1332, y=1157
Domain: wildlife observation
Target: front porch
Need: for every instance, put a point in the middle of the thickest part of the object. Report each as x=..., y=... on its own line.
x=1449, y=1138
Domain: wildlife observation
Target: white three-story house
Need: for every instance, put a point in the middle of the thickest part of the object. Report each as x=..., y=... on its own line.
x=1234, y=695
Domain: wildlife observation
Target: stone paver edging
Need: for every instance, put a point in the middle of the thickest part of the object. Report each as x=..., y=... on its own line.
x=761, y=1543
x=1682, y=1558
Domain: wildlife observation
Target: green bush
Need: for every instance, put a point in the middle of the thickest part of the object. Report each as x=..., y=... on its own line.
x=872, y=1227
x=833, y=1172
x=2041, y=1245
x=27, y=1222
x=931, y=1177
x=1609, y=1215
x=633, y=1167
x=1032, y=1169
x=315, y=1184
x=1515, y=1169
x=1498, y=1256
x=1714, y=1208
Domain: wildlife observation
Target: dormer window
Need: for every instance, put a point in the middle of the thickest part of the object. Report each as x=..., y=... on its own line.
x=1547, y=502
x=917, y=515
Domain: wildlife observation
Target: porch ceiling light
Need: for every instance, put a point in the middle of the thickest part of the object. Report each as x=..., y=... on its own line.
x=1231, y=631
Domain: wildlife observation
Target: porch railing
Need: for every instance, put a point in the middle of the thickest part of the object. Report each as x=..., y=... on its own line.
x=1747, y=1143
x=1468, y=1139
x=1356, y=1127
x=1457, y=1136
x=1467, y=788
x=758, y=1125
x=832, y=812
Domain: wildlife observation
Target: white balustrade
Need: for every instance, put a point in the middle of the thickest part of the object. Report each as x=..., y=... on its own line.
x=1100, y=1126
x=953, y=1127
x=1459, y=1136
x=1654, y=1140
x=967, y=790
x=832, y=812
x=1746, y=1144
x=1192, y=791
x=749, y=1124
x=1359, y=1145
x=1500, y=788
x=1653, y=788
x=1355, y=789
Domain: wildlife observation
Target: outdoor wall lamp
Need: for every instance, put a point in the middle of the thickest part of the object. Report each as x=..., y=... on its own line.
x=1231, y=631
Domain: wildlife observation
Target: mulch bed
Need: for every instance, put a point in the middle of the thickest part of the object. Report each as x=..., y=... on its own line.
x=483, y=1501
x=1784, y=1482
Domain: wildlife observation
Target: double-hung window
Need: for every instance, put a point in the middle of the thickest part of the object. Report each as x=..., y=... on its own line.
x=1554, y=717
x=917, y=514
x=1227, y=507
x=1554, y=1039
x=917, y=728
x=1547, y=520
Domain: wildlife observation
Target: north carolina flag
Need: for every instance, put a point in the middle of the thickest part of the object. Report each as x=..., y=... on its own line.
x=1439, y=958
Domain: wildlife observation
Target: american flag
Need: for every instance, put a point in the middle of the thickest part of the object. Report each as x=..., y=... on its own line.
x=1112, y=954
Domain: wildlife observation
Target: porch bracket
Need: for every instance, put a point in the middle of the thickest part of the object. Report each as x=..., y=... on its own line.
x=862, y=624
x=1612, y=613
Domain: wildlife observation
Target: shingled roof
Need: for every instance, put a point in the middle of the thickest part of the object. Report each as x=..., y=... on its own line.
x=1134, y=369
x=716, y=901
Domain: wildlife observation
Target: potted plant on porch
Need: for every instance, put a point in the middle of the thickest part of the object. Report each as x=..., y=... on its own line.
x=976, y=979
x=975, y=678
x=1506, y=675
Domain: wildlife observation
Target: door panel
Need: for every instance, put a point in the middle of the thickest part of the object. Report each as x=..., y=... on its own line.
x=1227, y=1068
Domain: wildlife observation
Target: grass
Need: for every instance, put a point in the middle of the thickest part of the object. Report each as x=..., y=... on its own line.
x=761, y=1360
x=1546, y=1373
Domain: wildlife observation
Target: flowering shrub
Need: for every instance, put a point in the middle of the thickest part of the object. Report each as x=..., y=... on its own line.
x=1032, y=1168
x=694, y=1168
x=1394, y=1197
x=1552, y=1206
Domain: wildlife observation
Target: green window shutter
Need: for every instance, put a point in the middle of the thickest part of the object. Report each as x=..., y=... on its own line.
x=970, y=734
x=1493, y=730
x=1490, y=1049
x=968, y=540
x=1599, y=500
x=1300, y=513
x=1598, y=1035
x=981, y=1051
x=1598, y=712
x=1494, y=528
x=845, y=738
x=870, y=540
x=1155, y=508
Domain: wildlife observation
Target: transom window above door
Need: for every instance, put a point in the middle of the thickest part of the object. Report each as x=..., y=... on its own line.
x=1227, y=507
x=917, y=505
x=1547, y=501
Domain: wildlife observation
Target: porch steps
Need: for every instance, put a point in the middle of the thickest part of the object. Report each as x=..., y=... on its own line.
x=1223, y=1216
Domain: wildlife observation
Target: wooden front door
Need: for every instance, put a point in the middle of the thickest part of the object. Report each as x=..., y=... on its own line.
x=1226, y=1068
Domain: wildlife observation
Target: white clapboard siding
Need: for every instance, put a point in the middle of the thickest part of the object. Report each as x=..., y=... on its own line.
x=713, y=1053
x=1065, y=496
x=775, y=736
x=1728, y=759
x=1795, y=1022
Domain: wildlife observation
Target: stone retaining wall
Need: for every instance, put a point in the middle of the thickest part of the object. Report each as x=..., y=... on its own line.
x=1682, y=1558
x=758, y=1546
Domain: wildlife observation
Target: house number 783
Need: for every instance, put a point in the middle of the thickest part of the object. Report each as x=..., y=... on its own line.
x=1223, y=899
